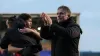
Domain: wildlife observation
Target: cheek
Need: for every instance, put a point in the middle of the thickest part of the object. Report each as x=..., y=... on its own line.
x=29, y=23
x=65, y=17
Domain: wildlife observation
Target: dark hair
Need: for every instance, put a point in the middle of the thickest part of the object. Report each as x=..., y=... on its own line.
x=19, y=22
x=16, y=22
x=11, y=19
x=66, y=9
x=24, y=16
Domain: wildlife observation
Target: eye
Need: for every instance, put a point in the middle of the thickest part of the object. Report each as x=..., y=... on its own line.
x=60, y=13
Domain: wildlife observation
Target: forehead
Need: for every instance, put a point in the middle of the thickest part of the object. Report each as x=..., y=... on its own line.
x=29, y=20
x=60, y=10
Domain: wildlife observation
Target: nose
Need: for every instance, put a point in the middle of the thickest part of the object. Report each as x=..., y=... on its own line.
x=31, y=23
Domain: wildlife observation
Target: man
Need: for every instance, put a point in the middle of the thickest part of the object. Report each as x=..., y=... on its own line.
x=64, y=34
x=18, y=44
x=9, y=22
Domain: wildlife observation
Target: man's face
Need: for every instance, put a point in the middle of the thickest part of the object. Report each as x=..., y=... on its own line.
x=7, y=24
x=28, y=23
x=62, y=15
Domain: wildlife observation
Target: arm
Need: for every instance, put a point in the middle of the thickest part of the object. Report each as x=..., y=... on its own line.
x=33, y=32
x=72, y=31
x=14, y=49
x=1, y=50
x=37, y=34
x=5, y=41
x=45, y=32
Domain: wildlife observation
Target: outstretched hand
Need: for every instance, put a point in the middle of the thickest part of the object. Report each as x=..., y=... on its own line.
x=46, y=19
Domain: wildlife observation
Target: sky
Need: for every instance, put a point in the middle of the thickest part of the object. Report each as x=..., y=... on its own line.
x=89, y=16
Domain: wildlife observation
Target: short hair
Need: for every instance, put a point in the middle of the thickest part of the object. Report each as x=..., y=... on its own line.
x=11, y=19
x=25, y=16
x=66, y=9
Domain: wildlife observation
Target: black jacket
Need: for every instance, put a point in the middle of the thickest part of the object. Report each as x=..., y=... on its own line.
x=15, y=38
x=64, y=37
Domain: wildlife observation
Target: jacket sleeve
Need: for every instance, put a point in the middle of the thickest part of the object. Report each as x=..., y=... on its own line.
x=72, y=31
x=46, y=33
x=5, y=41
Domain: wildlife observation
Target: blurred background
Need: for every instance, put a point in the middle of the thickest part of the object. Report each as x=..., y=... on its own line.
x=85, y=12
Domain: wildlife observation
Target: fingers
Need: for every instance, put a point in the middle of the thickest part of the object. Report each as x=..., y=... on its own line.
x=25, y=30
x=22, y=30
x=44, y=19
x=47, y=17
x=42, y=15
x=35, y=30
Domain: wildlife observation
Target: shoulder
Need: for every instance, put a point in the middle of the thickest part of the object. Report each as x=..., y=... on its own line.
x=10, y=31
x=73, y=24
x=76, y=25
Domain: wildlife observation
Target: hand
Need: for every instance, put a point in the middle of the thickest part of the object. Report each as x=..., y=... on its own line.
x=1, y=50
x=46, y=19
x=26, y=30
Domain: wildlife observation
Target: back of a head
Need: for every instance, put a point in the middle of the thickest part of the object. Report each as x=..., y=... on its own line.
x=15, y=22
x=24, y=16
x=19, y=22
x=66, y=9
x=11, y=20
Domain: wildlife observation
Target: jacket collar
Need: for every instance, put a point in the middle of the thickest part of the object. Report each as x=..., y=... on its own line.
x=70, y=20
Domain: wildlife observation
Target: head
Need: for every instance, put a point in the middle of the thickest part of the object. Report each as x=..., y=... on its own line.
x=27, y=19
x=63, y=13
x=10, y=21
